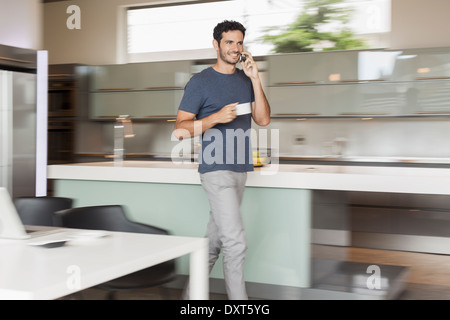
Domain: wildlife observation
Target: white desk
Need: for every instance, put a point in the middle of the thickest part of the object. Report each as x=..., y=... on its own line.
x=28, y=272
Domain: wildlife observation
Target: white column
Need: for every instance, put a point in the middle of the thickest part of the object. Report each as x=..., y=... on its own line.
x=41, y=122
x=6, y=130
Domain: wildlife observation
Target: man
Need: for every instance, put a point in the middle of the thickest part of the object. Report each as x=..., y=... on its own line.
x=209, y=108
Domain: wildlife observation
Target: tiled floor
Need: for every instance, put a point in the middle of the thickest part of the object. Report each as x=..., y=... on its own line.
x=412, y=292
x=429, y=275
x=425, y=292
x=144, y=294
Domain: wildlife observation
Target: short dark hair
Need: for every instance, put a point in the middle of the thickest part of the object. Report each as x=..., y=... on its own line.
x=226, y=26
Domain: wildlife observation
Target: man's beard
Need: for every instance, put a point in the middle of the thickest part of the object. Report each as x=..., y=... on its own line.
x=224, y=57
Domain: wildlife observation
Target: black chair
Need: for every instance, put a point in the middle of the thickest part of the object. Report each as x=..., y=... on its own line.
x=40, y=211
x=113, y=218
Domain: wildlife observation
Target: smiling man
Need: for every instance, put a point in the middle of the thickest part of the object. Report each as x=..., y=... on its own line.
x=219, y=104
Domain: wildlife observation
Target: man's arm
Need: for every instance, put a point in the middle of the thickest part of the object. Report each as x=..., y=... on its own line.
x=187, y=127
x=261, y=107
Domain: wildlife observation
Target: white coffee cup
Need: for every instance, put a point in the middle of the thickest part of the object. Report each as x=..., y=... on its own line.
x=243, y=108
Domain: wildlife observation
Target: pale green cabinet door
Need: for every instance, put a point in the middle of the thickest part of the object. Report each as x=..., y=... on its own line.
x=340, y=99
x=302, y=100
x=384, y=65
x=433, y=65
x=365, y=99
x=421, y=64
x=362, y=66
x=109, y=105
x=303, y=68
x=173, y=74
x=342, y=66
x=314, y=68
x=382, y=99
x=160, y=103
x=115, y=77
x=430, y=93
x=431, y=97
x=137, y=104
x=402, y=65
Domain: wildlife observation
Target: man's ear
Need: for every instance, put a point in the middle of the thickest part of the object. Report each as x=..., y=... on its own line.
x=215, y=45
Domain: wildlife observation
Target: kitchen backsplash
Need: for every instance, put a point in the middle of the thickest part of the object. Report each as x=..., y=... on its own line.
x=354, y=137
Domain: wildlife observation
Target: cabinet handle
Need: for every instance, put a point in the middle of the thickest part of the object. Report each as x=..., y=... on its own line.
x=294, y=83
x=340, y=81
x=360, y=81
x=161, y=116
x=433, y=78
x=115, y=89
x=59, y=75
x=363, y=114
x=149, y=117
x=15, y=60
x=149, y=88
x=432, y=112
x=164, y=88
x=296, y=114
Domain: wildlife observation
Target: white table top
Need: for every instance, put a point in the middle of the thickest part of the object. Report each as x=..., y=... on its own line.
x=316, y=177
x=29, y=272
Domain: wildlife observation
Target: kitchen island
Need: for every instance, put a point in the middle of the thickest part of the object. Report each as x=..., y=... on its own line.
x=276, y=211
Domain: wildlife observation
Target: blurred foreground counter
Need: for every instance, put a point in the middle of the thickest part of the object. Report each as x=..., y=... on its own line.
x=278, y=215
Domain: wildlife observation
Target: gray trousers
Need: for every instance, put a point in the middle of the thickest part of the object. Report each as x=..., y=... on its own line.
x=225, y=230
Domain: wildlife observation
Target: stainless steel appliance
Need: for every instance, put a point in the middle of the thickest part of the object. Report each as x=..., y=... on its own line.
x=23, y=121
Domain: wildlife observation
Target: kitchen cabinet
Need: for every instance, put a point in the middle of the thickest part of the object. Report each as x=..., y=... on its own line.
x=349, y=99
x=361, y=83
x=341, y=99
x=342, y=67
x=316, y=84
x=296, y=100
x=161, y=103
x=320, y=68
x=289, y=69
x=401, y=66
x=399, y=216
x=430, y=96
x=365, y=99
x=151, y=104
x=63, y=99
x=63, y=91
x=432, y=64
x=114, y=77
x=109, y=105
x=168, y=75
x=141, y=90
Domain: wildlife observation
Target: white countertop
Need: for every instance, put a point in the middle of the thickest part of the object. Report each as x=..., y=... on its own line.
x=319, y=177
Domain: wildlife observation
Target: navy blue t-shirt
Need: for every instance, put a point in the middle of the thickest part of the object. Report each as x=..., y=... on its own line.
x=226, y=146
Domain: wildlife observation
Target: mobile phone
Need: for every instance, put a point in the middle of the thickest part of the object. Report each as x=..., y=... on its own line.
x=242, y=58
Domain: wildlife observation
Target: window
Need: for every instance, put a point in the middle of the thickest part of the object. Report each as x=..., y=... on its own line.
x=184, y=30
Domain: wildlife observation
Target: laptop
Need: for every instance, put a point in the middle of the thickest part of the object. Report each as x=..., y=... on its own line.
x=11, y=227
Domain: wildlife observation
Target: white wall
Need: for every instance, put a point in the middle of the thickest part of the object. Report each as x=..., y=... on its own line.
x=420, y=23
x=21, y=23
x=94, y=43
x=415, y=23
x=101, y=37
